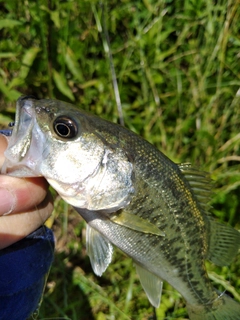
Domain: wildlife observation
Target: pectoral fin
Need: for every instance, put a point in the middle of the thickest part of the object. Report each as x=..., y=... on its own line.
x=151, y=284
x=136, y=223
x=99, y=250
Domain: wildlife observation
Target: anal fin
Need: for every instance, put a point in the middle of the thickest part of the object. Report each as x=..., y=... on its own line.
x=151, y=284
x=224, y=243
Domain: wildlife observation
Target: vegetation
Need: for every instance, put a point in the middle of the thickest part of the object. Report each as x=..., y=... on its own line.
x=177, y=65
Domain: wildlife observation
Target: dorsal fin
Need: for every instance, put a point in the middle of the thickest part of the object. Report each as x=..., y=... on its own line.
x=200, y=183
x=223, y=242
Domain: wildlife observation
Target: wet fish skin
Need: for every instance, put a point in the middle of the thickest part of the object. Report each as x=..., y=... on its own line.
x=127, y=190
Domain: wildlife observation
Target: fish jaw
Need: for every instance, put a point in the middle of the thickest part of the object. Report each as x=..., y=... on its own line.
x=23, y=155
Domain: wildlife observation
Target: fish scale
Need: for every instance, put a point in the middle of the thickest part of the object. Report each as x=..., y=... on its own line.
x=151, y=172
x=131, y=196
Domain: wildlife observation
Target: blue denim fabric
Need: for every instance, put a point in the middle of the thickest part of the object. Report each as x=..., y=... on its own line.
x=23, y=267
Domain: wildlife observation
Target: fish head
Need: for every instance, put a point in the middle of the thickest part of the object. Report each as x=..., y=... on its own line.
x=56, y=140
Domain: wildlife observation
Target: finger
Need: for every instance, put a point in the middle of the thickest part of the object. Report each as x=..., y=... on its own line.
x=3, y=146
x=15, y=227
x=18, y=195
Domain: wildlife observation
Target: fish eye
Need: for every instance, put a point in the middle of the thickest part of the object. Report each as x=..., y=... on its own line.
x=65, y=127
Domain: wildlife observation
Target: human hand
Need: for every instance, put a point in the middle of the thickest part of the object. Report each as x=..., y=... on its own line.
x=25, y=204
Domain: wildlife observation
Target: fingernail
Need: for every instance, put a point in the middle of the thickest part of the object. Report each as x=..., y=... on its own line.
x=7, y=202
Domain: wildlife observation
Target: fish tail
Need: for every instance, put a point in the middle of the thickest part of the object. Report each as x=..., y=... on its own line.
x=224, y=308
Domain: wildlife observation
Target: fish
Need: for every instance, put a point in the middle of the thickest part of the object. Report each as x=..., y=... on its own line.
x=132, y=196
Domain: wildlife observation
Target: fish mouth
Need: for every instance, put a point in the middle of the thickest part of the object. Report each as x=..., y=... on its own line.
x=19, y=161
x=20, y=140
x=18, y=171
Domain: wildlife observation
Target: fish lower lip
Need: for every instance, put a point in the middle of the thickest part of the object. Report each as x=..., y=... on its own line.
x=18, y=171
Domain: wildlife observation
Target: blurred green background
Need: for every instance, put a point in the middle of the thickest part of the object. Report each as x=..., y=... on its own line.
x=177, y=65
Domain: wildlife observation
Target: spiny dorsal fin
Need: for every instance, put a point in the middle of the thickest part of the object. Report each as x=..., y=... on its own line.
x=200, y=183
x=151, y=284
x=99, y=250
x=224, y=243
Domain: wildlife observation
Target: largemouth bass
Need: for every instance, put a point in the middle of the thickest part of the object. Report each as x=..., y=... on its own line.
x=131, y=196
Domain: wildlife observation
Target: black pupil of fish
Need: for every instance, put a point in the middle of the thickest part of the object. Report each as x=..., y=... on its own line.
x=65, y=128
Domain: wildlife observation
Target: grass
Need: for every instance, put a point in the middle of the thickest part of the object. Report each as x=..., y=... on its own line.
x=178, y=72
